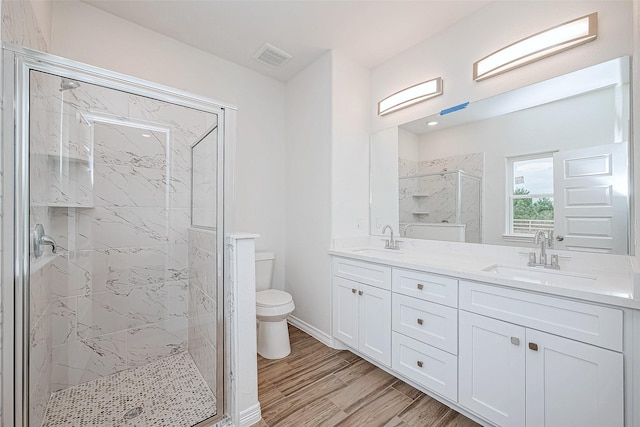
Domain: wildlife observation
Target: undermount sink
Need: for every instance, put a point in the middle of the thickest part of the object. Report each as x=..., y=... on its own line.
x=373, y=251
x=541, y=275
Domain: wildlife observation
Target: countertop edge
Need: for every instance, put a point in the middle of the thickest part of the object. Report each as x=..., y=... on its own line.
x=479, y=276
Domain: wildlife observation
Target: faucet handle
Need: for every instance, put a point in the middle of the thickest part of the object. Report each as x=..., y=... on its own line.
x=532, y=259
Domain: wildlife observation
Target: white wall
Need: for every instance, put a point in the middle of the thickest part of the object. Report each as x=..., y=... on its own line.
x=327, y=177
x=350, y=148
x=84, y=33
x=385, y=197
x=408, y=147
x=451, y=54
x=308, y=201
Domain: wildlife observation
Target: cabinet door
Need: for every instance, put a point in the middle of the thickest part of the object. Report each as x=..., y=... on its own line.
x=570, y=383
x=345, y=311
x=375, y=323
x=491, y=363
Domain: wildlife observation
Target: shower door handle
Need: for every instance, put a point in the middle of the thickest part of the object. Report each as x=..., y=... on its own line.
x=38, y=239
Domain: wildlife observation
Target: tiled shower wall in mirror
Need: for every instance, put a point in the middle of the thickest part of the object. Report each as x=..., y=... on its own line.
x=432, y=192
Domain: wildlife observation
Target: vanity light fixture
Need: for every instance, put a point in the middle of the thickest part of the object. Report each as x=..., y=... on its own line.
x=538, y=46
x=410, y=96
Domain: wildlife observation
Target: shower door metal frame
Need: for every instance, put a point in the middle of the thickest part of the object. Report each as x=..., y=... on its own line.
x=17, y=63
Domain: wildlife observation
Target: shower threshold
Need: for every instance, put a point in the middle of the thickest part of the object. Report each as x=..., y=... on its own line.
x=169, y=392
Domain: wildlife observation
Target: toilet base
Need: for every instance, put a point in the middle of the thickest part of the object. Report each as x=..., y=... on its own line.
x=273, y=339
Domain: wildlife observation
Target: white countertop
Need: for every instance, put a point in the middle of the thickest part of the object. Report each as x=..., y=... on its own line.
x=613, y=276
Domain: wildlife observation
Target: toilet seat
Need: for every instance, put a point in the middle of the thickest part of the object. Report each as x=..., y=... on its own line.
x=273, y=303
x=272, y=298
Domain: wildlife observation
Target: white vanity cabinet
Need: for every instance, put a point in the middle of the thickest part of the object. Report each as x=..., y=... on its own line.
x=514, y=375
x=508, y=356
x=425, y=330
x=362, y=307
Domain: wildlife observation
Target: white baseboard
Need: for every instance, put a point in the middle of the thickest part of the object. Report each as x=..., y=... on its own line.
x=250, y=416
x=324, y=338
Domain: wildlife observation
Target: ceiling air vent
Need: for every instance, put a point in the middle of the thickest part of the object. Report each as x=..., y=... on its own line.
x=272, y=56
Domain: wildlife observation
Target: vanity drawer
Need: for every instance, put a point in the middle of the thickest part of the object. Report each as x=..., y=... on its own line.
x=430, y=323
x=364, y=272
x=426, y=286
x=589, y=323
x=428, y=366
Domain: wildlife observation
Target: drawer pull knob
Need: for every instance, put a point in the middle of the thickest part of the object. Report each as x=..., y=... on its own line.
x=420, y=321
x=419, y=363
x=360, y=292
x=353, y=291
x=420, y=286
x=533, y=346
x=515, y=341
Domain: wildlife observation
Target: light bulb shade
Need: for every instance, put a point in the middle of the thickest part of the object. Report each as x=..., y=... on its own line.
x=538, y=46
x=410, y=96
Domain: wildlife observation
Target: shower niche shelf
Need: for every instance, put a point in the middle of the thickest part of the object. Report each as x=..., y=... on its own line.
x=70, y=158
x=67, y=181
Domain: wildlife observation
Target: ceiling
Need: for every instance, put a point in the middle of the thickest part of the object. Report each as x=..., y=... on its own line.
x=368, y=31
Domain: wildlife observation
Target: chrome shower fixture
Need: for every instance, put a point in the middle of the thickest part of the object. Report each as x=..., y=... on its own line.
x=66, y=84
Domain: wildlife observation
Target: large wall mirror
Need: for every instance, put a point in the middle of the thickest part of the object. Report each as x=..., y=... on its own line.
x=552, y=156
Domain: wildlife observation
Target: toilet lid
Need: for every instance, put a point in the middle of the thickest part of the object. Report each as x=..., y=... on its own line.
x=272, y=297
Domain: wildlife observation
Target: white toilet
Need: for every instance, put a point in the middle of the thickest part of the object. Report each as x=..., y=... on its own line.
x=272, y=308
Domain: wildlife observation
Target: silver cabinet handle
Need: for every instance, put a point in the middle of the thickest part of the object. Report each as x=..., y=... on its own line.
x=420, y=321
x=515, y=340
x=559, y=238
x=419, y=363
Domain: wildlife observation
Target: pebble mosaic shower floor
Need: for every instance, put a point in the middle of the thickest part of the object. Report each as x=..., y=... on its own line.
x=171, y=392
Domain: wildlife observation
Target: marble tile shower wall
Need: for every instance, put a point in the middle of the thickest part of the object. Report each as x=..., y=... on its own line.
x=40, y=340
x=20, y=26
x=205, y=182
x=118, y=290
x=42, y=109
x=432, y=199
x=202, y=302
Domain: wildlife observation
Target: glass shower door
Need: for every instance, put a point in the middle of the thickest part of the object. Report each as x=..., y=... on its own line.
x=124, y=297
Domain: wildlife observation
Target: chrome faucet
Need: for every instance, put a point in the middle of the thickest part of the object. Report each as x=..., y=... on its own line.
x=546, y=242
x=541, y=238
x=391, y=243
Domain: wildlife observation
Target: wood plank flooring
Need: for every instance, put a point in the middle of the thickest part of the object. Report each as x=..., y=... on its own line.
x=319, y=386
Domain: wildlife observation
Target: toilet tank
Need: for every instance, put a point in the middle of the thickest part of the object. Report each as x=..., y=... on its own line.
x=264, y=270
